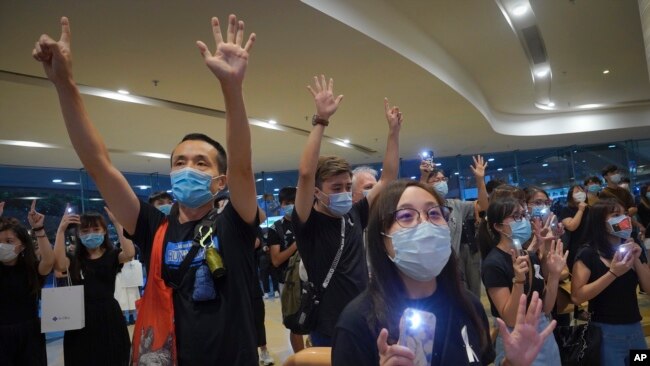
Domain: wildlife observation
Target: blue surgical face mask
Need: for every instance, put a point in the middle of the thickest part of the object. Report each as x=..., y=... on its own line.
x=594, y=188
x=340, y=203
x=165, y=208
x=288, y=209
x=422, y=252
x=541, y=211
x=441, y=188
x=191, y=187
x=92, y=240
x=521, y=232
x=616, y=178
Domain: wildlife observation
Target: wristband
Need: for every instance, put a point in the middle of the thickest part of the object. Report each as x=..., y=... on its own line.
x=38, y=228
x=614, y=274
x=518, y=282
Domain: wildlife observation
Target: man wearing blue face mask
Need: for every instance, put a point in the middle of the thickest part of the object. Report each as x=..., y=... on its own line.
x=469, y=258
x=162, y=201
x=327, y=224
x=202, y=327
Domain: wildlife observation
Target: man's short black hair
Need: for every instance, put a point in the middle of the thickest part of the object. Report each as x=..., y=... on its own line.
x=593, y=179
x=287, y=194
x=492, y=184
x=609, y=169
x=161, y=195
x=222, y=157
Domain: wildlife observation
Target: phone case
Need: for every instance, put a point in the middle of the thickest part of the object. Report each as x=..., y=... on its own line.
x=417, y=330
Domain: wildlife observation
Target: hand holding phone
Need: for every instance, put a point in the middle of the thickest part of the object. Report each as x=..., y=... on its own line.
x=427, y=157
x=417, y=331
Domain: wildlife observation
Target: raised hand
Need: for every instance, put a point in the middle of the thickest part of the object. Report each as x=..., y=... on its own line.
x=393, y=115
x=68, y=220
x=36, y=220
x=556, y=259
x=524, y=342
x=230, y=59
x=2, y=208
x=392, y=355
x=55, y=56
x=323, y=93
x=479, y=166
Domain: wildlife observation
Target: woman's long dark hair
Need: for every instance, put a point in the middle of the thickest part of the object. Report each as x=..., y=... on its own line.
x=488, y=238
x=498, y=211
x=386, y=289
x=597, y=226
x=78, y=263
x=27, y=256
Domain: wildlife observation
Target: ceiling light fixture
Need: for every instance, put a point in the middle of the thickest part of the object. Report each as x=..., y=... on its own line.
x=123, y=91
x=269, y=179
x=27, y=144
x=346, y=141
x=590, y=106
x=143, y=187
x=152, y=155
x=30, y=198
x=545, y=164
x=491, y=159
x=605, y=71
x=57, y=180
x=520, y=10
x=272, y=122
x=499, y=169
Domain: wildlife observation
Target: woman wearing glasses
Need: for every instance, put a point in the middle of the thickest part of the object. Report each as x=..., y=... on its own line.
x=509, y=272
x=413, y=267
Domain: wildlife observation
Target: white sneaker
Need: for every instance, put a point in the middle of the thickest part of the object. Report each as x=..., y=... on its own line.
x=266, y=358
x=266, y=296
x=276, y=294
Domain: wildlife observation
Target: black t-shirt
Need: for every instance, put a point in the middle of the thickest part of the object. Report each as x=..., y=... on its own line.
x=284, y=239
x=617, y=303
x=497, y=271
x=578, y=236
x=355, y=342
x=318, y=240
x=17, y=304
x=97, y=275
x=219, y=331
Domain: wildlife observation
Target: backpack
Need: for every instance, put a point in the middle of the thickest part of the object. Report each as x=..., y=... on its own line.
x=290, y=297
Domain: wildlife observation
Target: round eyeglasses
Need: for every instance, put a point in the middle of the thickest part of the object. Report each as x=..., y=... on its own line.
x=410, y=217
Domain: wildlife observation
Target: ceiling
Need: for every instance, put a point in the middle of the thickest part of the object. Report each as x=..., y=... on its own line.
x=455, y=68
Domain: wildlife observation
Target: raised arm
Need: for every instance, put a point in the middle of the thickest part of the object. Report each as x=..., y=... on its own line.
x=582, y=291
x=37, y=222
x=326, y=106
x=61, y=261
x=390, y=166
x=479, y=174
x=56, y=58
x=128, y=250
x=228, y=64
x=507, y=300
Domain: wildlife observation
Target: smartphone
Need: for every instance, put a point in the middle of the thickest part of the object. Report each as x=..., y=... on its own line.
x=417, y=330
x=427, y=156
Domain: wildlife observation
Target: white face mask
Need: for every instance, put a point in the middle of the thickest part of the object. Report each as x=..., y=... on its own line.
x=7, y=252
x=580, y=196
x=422, y=252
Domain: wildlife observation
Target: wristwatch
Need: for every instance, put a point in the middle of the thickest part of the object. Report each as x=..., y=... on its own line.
x=318, y=120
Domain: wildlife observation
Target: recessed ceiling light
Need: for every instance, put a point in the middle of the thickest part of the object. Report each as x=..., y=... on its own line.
x=413, y=177
x=95, y=199
x=491, y=159
x=520, y=10
x=70, y=183
x=57, y=180
x=30, y=198
x=438, y=164
x=276, y=189
x=269, y=179
x=551, y=104
x=589, y=106
x=542, y=72
x=605, y=71
x=346, y=141
x=611, y=146
x=152, y=155
x=258, y=179
x=26, y=144
x=272, y=122
x=545, y=164
x=143, y=187
x=499, y=169
x=123, y=91
x=456, y=173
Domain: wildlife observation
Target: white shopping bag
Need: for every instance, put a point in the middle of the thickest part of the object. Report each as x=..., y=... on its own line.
x=132, y=274
x=62, y=308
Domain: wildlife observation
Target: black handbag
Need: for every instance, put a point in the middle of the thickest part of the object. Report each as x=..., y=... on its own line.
x=579, y=344
x=303, y=321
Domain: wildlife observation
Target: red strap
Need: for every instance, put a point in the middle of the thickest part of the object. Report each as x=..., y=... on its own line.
x=155, y=262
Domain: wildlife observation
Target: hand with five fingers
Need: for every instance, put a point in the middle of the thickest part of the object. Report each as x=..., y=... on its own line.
x=524, y=342
x=229, y=61
x=555, y=258
x=323, y=93
x=479, y=166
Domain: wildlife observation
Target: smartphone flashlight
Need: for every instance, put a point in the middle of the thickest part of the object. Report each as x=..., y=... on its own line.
x=415, y=320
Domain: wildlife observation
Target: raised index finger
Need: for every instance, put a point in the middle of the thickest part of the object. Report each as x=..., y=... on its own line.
x=65, y=30
x=33, y=206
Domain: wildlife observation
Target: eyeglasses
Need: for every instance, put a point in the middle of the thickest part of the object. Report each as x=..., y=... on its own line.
x=437, y=180
x=410, y=217
x=540, y=203
x=519, y=216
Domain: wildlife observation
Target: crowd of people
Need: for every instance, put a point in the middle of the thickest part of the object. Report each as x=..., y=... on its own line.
x=367, y=251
